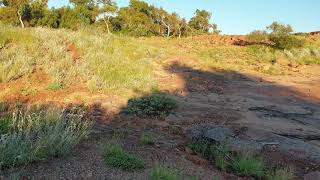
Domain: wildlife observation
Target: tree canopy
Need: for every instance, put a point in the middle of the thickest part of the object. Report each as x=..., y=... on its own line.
x=137, y=19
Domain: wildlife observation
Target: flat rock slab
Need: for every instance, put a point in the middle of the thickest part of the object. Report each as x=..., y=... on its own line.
x=296, y=148
x=223, y=135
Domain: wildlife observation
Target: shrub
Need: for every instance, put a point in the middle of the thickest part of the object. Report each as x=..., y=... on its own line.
x=153, y=105
x=248, y=165
x=257, y=36
x=147, y=139
x=160, y=172
x=39, y=136
x=115, y=156
x=286, y=41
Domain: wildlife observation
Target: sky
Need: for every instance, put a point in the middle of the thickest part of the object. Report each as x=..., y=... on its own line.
x=242, y=16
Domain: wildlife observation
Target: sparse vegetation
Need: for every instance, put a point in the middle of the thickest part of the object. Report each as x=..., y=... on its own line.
x=115, y=156
x=28, y=137
x=281, y=174
x=54, y=86
x=147, y=138
x=244, y=164
x=257, y=36
x=247, y=164
x=152, y=105
x=142, y=60
x=161, y=172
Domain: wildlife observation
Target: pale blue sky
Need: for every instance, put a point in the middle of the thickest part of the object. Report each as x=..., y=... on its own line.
x=243, y=16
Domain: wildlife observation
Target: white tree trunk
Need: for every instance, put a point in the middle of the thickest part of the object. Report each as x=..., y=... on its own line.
x=179, y=28
x=20, y=19
x=106, y=22
x=167, y=26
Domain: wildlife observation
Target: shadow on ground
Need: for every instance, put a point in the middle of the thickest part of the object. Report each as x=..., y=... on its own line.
x=254, y=109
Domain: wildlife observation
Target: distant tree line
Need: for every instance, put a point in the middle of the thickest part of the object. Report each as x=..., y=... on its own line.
x=137, y=19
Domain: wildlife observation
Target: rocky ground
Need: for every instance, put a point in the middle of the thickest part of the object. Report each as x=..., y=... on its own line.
x=277, y=117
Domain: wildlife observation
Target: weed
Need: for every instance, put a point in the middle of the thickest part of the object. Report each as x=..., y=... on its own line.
x=147, y=139
x=118, y=134
x=54, y=86
x=115, y=156
x=153, y=105
x=281, y=174
x=218, y=154
x=247, y=164
x=160, y=172
x=221, y=155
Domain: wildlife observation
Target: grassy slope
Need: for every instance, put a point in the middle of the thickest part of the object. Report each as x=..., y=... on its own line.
x=123, y=65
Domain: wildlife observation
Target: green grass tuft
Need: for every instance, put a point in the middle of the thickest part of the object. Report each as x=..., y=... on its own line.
x=248, y=165
x=160, y=172
x=115, y=156
x=281, y=174
x=54, y=86
x=147, y=139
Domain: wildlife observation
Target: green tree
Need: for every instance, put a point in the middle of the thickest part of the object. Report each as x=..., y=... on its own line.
x=108, y=8
x=278, y=28
x=282, y=38
x=68, y=18
x=201, y=22
x=38, y=10
x=51, y=18
x=19, y=7
x=86, y=11
x=136, y=19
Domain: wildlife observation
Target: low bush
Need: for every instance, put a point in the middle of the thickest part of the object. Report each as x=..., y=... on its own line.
x=115, y=156
x=29, y=137
x=286, y=41
x=257, y=36
x=153, y=105
x=160, y=172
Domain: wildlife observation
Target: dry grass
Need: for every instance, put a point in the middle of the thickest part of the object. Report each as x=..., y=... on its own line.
x=125, y=66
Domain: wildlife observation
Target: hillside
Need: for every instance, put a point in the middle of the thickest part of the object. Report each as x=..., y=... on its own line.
x=266, y=98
